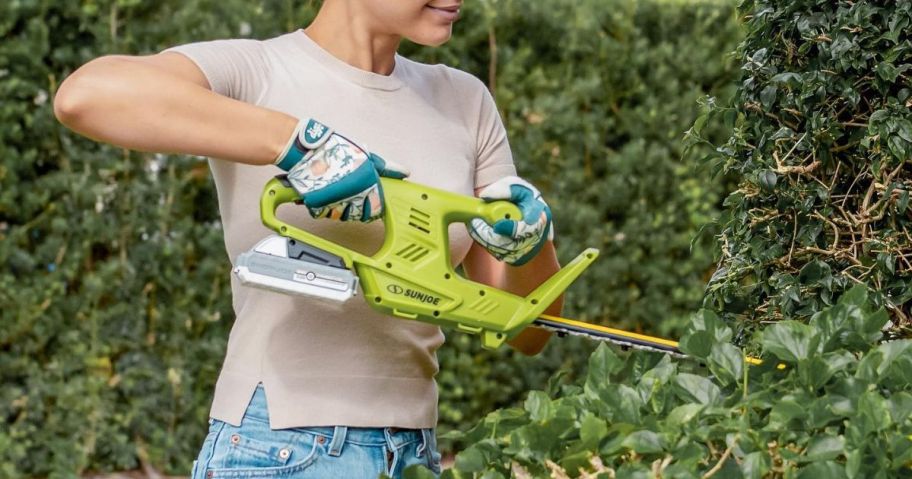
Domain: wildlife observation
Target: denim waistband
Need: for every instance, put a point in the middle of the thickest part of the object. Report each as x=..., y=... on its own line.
x=337, y=435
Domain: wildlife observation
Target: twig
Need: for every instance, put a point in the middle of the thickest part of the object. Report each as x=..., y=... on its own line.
x=835, y=229
x=719, y=464
x=794, y=235
x=778, y=163
x=492, y=61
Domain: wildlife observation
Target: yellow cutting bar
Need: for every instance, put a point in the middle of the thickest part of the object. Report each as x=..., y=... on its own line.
x=617, y=336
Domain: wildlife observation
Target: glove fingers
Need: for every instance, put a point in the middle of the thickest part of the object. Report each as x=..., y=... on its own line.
x=388, y=168
x=498, y=245
x=365, y=206
x=345, y=186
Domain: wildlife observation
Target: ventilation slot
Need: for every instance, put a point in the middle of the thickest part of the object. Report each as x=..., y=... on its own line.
x=413, y=252
x=484, y=305
x=420, y=221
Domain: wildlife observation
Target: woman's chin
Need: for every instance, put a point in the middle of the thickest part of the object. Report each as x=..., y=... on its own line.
x=434, y=38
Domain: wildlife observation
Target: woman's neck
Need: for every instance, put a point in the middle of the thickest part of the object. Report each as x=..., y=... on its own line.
x=350, y=37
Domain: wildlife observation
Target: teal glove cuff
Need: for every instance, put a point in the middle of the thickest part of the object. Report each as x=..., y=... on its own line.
x=307, y=136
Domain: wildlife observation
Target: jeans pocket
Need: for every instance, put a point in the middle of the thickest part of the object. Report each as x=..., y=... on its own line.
x=243, y=453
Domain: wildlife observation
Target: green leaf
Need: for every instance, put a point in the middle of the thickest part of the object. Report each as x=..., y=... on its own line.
x=879, y=361
x=853, y=463
x=767, y=180
x=540, y=406
x=592, y=430
x=857, y=296
x=417, y=471
x=602, y=364
x=873, y=413
x=817, y=371
x=820, y=470
x=790, y=341
x=697, y=388
x=786, y=78
x=707, y=320
x=697, y=344
x=622, y=403
x=824, y=448
x=644, y=442
x=815, y=272
x=787, y=409
x=755, y=465
x=902, y=204
x=726, y=362
x=900, y=405
x=683, y=414
x=768, y=96
x=472, y=459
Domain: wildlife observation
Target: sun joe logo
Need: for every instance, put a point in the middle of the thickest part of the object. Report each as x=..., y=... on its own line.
x=411, y=293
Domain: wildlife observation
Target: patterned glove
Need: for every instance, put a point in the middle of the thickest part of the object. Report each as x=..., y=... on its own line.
x=515, y=242
x=335, y=177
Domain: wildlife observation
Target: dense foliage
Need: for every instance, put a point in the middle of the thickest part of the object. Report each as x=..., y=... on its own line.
x=822, y=140
x=815, y=243
x=839, y=408
x=113, y=278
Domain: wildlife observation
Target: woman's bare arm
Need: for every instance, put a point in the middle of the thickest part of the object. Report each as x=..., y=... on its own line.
x=162, y=103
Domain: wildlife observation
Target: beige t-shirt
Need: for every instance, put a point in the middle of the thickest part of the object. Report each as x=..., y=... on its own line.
x=347, y=365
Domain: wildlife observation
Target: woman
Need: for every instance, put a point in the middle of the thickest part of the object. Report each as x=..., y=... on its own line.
x=306, y=389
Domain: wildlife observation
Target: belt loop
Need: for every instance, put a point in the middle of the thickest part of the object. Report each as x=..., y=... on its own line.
x=425, y=442
x=335, y=447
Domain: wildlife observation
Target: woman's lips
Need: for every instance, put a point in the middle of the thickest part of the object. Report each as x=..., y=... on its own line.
x=447, y=13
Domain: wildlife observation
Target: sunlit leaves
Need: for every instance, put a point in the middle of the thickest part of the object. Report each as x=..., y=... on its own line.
x=827, y=411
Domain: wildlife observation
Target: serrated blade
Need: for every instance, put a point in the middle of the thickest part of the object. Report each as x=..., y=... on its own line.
x=619, y=337
x=625, y=339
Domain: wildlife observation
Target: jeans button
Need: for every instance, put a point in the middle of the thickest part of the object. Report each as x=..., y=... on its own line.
x=284, y=453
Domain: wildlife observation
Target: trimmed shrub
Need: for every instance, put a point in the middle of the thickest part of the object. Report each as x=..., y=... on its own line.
x=822, y=140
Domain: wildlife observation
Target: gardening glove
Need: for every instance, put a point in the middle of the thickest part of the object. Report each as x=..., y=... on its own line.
x=334, y=176
x=515, y=242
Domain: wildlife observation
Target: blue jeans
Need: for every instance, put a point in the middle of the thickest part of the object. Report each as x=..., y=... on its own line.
x=255, y=450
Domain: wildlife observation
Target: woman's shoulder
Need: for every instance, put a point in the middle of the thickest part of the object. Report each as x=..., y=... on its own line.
x=443, y=75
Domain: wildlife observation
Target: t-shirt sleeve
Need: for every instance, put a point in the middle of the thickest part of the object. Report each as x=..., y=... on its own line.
x=494, y=160
x=236, y=68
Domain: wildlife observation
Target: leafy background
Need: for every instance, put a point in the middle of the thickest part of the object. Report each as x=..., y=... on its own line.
x=114, y=295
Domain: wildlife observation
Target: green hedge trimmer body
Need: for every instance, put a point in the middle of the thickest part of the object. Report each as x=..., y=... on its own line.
x=411, y=275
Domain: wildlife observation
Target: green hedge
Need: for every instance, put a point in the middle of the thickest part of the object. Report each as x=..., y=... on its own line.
x=840, y=409
x=113, y=286
x=822, y=141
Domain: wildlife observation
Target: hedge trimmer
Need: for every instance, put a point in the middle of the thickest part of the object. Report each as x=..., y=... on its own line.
x=411, y=275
